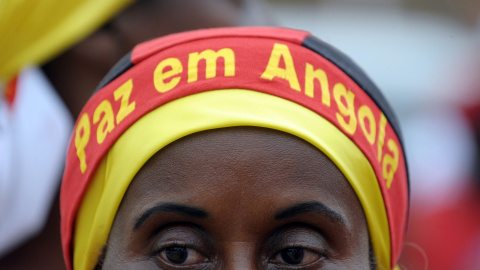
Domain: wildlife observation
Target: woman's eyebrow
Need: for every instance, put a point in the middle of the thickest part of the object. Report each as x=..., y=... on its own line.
x=184, y=210
x=313, y=206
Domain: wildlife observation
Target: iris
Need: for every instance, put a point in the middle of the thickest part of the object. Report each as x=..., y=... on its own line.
x=292, y=255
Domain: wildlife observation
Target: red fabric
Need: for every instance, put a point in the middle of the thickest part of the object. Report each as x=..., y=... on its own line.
x=450, y=235
x=472, y=114
x=252, y=49
x=11, y=90
x=146, y=49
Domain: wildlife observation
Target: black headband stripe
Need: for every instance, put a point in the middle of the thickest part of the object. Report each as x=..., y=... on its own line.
x=344, y=63
x=357, y=75
x=118, y=69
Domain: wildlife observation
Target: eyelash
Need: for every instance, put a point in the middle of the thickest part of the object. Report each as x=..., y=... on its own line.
x=196, y=251
x=175, y=244
x=322, y=254
x=170, y=244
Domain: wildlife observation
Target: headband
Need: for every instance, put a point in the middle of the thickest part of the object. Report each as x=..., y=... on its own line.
x=276, y=78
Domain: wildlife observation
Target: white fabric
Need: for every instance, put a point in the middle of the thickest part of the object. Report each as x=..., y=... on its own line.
x=34, y=134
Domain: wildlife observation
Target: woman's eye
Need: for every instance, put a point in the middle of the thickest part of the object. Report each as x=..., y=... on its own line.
x=296, y=256
x=182, y=255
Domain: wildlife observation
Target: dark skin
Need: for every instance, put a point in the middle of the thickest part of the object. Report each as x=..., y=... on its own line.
x=239, y=198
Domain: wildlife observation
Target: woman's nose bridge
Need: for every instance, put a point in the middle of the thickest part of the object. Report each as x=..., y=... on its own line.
x=240, y=256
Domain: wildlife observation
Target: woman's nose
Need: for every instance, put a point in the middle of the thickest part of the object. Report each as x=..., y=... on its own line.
x=240, y=256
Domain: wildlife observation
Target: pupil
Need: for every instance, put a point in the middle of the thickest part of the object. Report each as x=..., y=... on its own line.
x=292, y=255
x=177, y=255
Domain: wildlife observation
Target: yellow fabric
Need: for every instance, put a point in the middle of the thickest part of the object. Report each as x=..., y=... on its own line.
x=210, y=110
x=32, y=31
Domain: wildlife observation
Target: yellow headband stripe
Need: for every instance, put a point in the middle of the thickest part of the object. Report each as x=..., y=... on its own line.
x=211, y=110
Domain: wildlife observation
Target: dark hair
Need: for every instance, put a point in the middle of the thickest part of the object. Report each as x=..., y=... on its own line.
x=371, y=258
x=101, y=259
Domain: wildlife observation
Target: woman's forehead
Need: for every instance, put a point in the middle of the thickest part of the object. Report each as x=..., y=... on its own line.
x=240, y=148
x=249, y=161
x=243, y=181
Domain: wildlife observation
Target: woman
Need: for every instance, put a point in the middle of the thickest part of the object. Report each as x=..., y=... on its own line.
x=235, y=148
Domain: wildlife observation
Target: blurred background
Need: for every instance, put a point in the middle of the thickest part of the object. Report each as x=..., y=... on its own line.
x=423, y=54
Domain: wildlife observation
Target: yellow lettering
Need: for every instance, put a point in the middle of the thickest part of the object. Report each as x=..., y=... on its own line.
x=320, y=75
x=381, y=136
x=366, y=113
x=82, y=136
x=211, y=57
x=159, y=76
x=340, y=92
x=390, y=162
x=274, y=70
x=106, y=124
x=124, y=92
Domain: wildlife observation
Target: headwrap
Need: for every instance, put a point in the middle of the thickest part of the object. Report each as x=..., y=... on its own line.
x=275, y=78
x=32, y=32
